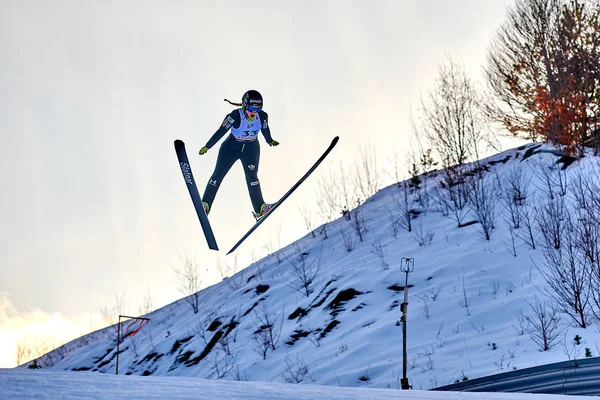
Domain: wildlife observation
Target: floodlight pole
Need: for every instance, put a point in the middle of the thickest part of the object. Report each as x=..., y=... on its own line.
x=407, y=266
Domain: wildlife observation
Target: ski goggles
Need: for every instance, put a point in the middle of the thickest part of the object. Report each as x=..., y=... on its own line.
x=253, y=109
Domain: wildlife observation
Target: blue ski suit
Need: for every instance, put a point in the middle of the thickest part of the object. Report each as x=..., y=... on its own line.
x=241, y=144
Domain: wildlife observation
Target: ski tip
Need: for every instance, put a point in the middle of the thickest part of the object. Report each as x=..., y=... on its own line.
x=178, y=142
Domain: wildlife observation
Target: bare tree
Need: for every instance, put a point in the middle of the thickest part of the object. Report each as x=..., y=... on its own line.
x=527, y=232
x=304, y=270
x=346, y=196
x=483, y=204
x=396, y=168
x=228, y=269
x=566, y=274
x=24, y=352
x=452, y=120
x=543, y=68
x=308, y=216
x=543, y=325
x=44, y=350
x=190, y=281
x=452, y=194
x=403, y=206
x=110, y=315
x=516, y=191
x=146, y=304
x=551, y=222
x=367, y=180
x=328, y=204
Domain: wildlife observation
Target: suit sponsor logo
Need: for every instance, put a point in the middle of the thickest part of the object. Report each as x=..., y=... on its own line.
x=227, y=122
x=256, y=183
x=251, y=167
x=212, y=182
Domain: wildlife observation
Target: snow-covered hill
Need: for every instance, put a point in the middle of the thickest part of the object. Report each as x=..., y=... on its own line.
x=469, y=298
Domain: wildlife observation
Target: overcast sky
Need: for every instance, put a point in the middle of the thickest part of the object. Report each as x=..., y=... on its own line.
x=93, y=93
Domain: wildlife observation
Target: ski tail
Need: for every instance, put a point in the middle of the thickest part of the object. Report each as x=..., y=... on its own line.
x=287, y=194
x=186, y=170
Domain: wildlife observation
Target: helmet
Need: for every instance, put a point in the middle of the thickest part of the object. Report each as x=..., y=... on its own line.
x=252, y=98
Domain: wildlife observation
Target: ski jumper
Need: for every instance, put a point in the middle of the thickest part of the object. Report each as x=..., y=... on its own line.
x=242, y=144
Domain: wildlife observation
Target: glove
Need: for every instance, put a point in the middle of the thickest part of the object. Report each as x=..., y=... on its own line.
x=274, y=143
x=203, y=150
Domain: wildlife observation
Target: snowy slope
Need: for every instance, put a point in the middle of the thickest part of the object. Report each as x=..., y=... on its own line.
x=464, y=300
x=41, y=385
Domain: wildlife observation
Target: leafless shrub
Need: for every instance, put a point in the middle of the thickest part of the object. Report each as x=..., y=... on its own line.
x=272, y=246
x=349, y=239
x=464, y=301
x=452, y=194
x=517, y=186
x=344, y=192
x=240, y=375
x=36, y=347
x=395, y=221
x=511, y=243
x=304, y=270
x=585, y=189
x=571, y=349
x=425, y=300
x=268, y=327
x=222, y=364
x=434, y=293
x=543, y=324
x=378, y=250
x=554, y=180
x=357, y=221
x=495, y=288
x=295, y=372
x=523, y=324
x=423, y=237
x=315, y=338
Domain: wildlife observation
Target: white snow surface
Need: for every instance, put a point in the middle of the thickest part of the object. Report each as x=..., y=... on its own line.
x=331, y=347
x=26, y=384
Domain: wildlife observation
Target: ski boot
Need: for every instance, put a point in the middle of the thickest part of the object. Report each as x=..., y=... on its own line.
x=265, y=208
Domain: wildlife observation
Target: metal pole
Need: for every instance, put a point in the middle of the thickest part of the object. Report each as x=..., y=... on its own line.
x=408, y=265
x=118, y=344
